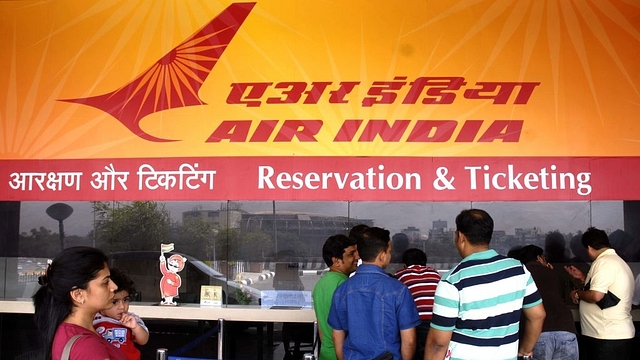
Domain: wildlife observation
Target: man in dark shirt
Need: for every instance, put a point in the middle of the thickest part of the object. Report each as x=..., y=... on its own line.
x=558, y=338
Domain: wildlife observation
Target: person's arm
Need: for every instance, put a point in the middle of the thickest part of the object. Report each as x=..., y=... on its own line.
x=407, y=343
x=590, y=296
x=437, y=344
x=338, y=342
x=533, y=320
x=140, y=334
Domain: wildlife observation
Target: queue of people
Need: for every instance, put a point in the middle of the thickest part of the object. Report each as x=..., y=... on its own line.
x=489, y=306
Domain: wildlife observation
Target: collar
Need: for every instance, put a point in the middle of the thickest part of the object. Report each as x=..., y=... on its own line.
x=481, y=255
x=370, y=269
x=607, y=252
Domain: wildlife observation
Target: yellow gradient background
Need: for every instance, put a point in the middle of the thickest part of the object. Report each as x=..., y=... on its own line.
x=585, y=54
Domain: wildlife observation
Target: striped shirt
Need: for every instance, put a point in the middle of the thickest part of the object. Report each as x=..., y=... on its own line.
x=480, y=301
x=422, y=282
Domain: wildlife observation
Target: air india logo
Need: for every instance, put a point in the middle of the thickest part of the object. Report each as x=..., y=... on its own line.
x=174, y=80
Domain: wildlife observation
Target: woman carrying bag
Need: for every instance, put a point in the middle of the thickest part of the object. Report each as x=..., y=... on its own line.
x=75, y=287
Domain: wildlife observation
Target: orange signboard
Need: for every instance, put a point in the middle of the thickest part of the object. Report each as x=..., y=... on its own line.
x=281, y=81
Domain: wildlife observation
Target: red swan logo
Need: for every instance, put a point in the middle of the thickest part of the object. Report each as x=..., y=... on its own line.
x=174, y=80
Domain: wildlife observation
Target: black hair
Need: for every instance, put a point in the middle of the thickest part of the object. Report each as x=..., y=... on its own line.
x=476, y=225
x=514, y=252
x=555, y=247
x=356, y=232
x=529, y=253
x=73, y=267
x=123, y=282
x=334, y=247
x=414, y=256
x=373, y=241
x=595, y=238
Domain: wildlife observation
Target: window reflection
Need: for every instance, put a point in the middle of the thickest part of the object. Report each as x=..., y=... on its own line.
x=277, y=245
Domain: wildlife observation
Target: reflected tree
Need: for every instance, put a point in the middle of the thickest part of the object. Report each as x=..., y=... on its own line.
x=195, y=235
x=140, y=225
x=40, y=242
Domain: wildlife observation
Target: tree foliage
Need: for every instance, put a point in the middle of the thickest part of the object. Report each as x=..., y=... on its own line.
x=40, y=242
x=140, y=225
x=196, y=236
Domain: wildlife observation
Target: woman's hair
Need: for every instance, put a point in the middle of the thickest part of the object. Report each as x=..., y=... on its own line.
x=72, y=268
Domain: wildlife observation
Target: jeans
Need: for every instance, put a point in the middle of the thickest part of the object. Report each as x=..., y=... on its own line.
x=556, y=345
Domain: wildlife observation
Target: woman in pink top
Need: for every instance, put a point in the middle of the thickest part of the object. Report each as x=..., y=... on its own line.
x=75, y=287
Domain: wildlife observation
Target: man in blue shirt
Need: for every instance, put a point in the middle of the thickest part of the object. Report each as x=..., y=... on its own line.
x=372, y=313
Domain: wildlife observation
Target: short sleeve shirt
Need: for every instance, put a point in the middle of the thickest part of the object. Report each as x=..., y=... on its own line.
x=609, y=273
x=372, y=308
x=480, y=300
x=90, y=346
x=322, y=295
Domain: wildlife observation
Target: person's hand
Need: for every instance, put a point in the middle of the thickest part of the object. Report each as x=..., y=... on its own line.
x=575, y=272
x=129, y=321
x=574, y=297
x=162, y=258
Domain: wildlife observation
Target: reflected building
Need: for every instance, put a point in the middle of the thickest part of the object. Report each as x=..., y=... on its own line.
x=441, y=233
x=312, y=230
x=218, y=218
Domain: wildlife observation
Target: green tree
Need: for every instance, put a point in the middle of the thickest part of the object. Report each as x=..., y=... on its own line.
x=140, y=225
x=40, y=242
x=197, y=236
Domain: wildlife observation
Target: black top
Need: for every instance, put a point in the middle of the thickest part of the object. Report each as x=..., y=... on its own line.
x=559, y=316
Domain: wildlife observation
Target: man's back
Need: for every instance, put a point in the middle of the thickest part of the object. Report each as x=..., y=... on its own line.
x=609, y=273
x=481, y=300
x=422, y=282
x=322, y=296
x=372, y=308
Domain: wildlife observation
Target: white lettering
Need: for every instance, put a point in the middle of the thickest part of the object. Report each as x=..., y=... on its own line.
x=545, y=179
x=371, y=179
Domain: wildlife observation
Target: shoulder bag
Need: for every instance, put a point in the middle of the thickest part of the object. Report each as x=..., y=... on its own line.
x=67, y=348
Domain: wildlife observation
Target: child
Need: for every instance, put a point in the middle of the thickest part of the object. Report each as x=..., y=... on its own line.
x=117, y=325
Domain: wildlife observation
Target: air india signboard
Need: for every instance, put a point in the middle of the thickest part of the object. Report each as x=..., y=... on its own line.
x=300, y=100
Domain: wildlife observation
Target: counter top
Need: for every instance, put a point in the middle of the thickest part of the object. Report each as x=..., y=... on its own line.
x=227, y=312
x=191, y=312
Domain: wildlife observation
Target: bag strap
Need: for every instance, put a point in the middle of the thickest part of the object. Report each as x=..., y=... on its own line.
x=67, y=348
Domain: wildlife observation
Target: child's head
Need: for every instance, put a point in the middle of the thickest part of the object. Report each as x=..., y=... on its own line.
x=126, y=289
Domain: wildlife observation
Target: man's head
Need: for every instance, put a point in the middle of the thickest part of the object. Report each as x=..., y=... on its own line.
x=531, y=253
x=414, y=257
x=356, y=232
x=340, y=254
x=595, y=241
x=476, y=225
x=375, y=246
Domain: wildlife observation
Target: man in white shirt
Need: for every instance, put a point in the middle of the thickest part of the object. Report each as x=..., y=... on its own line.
x=607, y=325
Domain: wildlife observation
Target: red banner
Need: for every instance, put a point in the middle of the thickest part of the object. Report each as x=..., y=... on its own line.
x=324, y=178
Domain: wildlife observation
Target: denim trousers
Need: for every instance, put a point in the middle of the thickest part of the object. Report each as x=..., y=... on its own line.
x=556, y=345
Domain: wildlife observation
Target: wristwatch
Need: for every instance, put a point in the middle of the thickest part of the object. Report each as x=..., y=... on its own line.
x=525, y=357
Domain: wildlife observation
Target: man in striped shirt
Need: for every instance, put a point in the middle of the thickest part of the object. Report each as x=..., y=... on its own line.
x=477, y=307
x=422, y=281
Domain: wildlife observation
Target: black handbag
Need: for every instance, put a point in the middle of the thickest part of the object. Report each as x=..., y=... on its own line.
x=610, y=299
